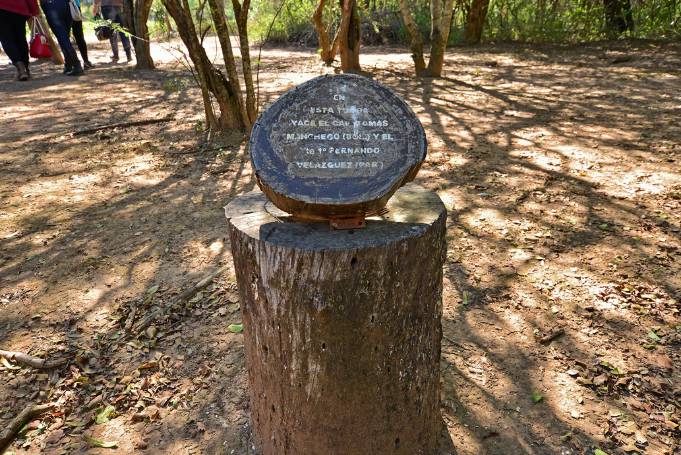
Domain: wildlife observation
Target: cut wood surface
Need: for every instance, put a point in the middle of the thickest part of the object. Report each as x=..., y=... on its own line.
x=342, y=328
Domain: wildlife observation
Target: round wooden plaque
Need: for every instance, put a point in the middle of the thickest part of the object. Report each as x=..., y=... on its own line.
x=336, y=147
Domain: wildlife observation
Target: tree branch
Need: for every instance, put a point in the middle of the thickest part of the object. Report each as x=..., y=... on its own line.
x=188, y=294
x=123, y=125
x=10, y=432
x=29, y=360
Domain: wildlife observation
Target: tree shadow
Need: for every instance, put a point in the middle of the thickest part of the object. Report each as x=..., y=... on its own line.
x=543, y=141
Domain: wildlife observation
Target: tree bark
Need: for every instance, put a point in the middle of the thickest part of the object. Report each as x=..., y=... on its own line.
x=415, y=39
x=342, y=329
x=31, y=361
x=475, y=21
x=349, y=37
x=441, y=14
x=227, y=94
x=10, y=431
x=326, y=53
x=142, y=48
x=441, y=20
x=217, y=9
x=241, y=15
x=129, y=19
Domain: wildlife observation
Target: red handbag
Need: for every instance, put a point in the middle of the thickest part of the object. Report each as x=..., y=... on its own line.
x=39, y=47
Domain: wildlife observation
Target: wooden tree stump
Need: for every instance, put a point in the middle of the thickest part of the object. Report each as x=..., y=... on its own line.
x=342, y=328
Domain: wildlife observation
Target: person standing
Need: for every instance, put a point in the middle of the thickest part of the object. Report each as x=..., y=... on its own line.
x=58, y=14
x=13, y=17
x=79, y=36
x=113, y=10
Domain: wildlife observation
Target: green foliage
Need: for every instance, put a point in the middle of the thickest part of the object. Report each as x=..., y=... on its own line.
x=576, y=20
x=159, y=21
x=381, y=20
x=293, y=25
x=507, y=20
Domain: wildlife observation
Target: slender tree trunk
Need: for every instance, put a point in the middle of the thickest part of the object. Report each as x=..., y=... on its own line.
x=447, y=19
x=327, y=55
x=435, y=20
x=129, y=19
x=241, y=14
x=142, y=48
x=475, y=21
x=169, y=26
x=441, y=19
x=415, y=39
x=217, y=9
x=210, y=78
x=349, y=36
x=441, y=15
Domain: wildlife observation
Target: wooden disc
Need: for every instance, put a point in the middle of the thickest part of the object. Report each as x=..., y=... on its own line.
x=336, y=146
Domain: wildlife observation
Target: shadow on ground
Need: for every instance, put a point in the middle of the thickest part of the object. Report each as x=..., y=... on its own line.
x=560, y=170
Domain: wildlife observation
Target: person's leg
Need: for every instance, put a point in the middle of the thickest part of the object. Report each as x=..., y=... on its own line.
x=21, y=40
x=77, y=30
x=67, y=20
x=8, y=35
x=22, y=45
x=124, y=37
x=13, y=39
x=109, y=13
x=53, y=16
x=58, y=14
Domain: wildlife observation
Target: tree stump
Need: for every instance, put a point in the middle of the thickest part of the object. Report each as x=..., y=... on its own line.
x=342, y=328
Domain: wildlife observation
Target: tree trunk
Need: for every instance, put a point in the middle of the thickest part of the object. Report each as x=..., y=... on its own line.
x=441, y=21
x=128, y=16
x=349, y=37
x=326, y=53
x=142, y=48
x=241, y=15
x=210, y=78
x=217, y=9
x=415, y=39
x=441, y=15
x=475, y=21
x=618, y=17
x=169, y=26
x=342, y=328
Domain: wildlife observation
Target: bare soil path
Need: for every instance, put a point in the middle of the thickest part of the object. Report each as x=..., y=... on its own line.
x=561, y=168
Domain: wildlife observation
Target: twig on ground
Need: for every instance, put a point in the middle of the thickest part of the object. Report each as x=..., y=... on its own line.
x=552, y=336
x=96, y=401
x=29, y=360
x=130, y=319
x=9, y=433
x=188, y=294
x=122, y=125
x=454, y=343
x=198, y=150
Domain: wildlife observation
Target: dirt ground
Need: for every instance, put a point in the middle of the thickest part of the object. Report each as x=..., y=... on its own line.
x=561, y=170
